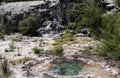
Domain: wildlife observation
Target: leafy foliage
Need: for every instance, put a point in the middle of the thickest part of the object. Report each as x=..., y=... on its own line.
x=110, y=32
x=29, y=25
x=36, y=50
x=106, y=27
x=1, y=35
x=58, y=50
x=84, y=15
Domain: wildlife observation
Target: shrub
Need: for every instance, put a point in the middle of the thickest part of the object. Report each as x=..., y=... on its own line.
x=28, y=26
x=58, y=50
x=37, y=50
x=84, y=15
x=110, y=33
x=1, y=35
x=68, y=36
x=109, y=49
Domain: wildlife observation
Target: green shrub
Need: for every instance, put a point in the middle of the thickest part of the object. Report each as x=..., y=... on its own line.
x=58, y=50
x=110, y=33
x=84, y=15
x=28, y=26
x=109, y=49
x=37, y=50
x=68, y=36
x=1, y=35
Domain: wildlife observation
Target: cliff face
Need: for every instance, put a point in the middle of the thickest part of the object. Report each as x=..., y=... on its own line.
x=12, y=13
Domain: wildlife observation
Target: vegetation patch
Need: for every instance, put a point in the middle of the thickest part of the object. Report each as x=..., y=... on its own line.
x=85, y=14
x=5, y=68
x=17, y=39
x=29, y=25
x=1, y=35
x=110, y=33
x=21, y=60
x=66, y=38
x=11, y=47
x=58, y=50
x=37, y=50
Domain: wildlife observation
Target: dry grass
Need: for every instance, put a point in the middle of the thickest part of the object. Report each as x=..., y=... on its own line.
x=11, y=76
x=5, y=68
x=21, y=60
x=1, y=56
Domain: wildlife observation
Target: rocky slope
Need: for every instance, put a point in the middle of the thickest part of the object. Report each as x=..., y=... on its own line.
x=12, y=13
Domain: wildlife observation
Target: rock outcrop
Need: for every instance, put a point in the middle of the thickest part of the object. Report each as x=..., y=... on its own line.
x=49, y=12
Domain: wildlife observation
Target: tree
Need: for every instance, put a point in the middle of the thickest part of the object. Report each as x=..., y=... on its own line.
x=84, y=15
